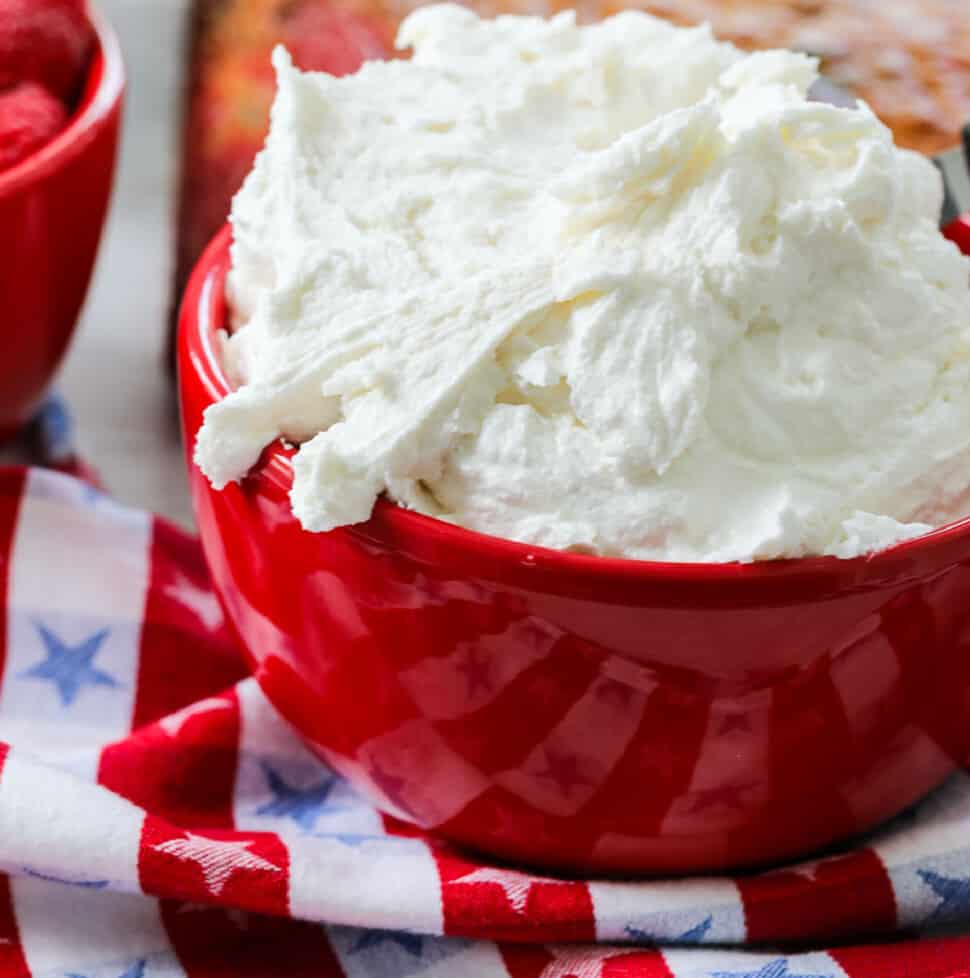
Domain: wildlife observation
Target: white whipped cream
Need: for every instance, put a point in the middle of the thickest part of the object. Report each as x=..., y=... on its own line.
x=616, y=288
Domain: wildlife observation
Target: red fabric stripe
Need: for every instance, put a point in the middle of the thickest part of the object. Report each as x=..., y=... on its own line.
x=11, y=492
x=912, y=959
x=847, y=897
x=182, y=770
x=249, y=870
x=187, y=650
x=212, y=943
x=13, y=964
x=525, y=961
x=552, y=911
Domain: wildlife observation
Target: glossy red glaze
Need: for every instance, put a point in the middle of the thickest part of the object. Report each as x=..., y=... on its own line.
x=582, y=713
x=52, y=209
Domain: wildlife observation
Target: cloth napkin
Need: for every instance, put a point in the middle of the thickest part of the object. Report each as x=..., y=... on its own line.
x=48, y=440
x=158, y=818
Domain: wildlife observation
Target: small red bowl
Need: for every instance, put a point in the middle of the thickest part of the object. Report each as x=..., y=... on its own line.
x=583, y=713
x=52, y=210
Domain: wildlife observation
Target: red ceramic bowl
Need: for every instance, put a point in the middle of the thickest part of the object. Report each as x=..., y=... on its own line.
x=584, y=713
x=52, y=209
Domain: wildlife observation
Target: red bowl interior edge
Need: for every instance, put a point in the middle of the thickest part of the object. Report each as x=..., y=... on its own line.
x=102, y=88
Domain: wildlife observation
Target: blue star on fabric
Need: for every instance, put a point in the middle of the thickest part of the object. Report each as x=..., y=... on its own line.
x=695, y=935
x=773, y=969
x=91, y=495
x=55, y=428
x=355, y=840
x=137, y=970
x=412, y=943
x=395, y=954
x=70, y=667
x=302, y=805
x=954, y=894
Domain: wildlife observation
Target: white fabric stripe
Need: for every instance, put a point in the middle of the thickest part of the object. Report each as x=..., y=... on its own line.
x=92, y=933
x=479, y=960
x=55, y=825
x=344, y=868
x=388, y=883
x=66, y=746
x=669, y=911
x=684, y=963
x=269, y=749
x=364, y=955
x=74, y=626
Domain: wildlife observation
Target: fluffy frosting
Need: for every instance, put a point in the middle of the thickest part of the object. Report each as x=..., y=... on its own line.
x=617, y=288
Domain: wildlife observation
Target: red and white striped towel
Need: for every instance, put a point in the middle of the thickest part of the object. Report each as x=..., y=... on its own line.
x=158, y=819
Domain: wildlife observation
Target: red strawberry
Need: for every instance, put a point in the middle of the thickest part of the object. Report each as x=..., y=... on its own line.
x=29, y=117
x=45, y=41
x=321, y=38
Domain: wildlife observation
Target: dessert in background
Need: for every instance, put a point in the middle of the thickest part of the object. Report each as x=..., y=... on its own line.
x=230, y=88
x=910, y=59
x=44, y=50
x=618, y=288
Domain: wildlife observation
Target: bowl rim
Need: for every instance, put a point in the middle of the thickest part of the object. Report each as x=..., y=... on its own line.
x=103, y=89
x=205, y=300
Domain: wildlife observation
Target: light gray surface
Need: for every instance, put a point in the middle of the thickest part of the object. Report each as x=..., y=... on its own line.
x=114, y=376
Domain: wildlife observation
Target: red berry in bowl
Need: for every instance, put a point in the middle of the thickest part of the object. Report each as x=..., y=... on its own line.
x=29, y=117
x=44, y=41
x=337, y=41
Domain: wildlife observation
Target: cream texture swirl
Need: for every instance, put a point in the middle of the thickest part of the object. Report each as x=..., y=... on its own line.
x=618, y=288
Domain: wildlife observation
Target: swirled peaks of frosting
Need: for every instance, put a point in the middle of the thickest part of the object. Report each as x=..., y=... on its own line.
x=618, y=288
